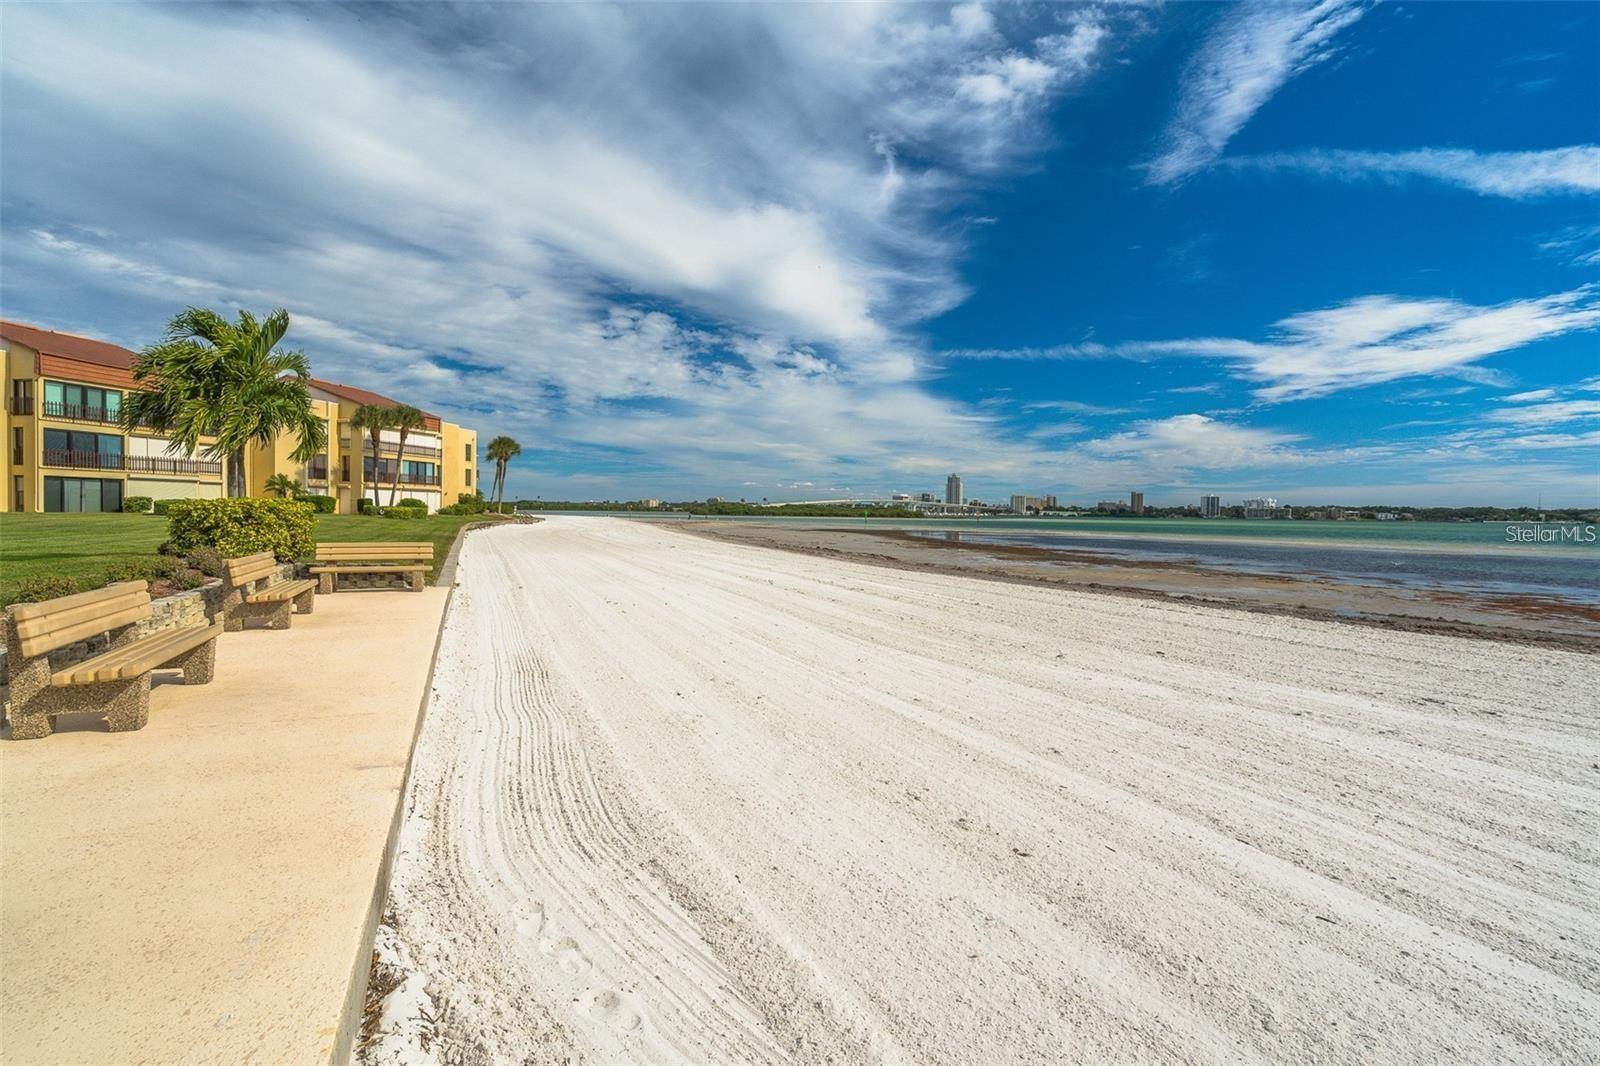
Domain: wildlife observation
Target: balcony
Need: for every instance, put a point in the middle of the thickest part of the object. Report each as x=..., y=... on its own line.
x=138, y=464
x=20, y=405
x=413, y=451
x=317, y=473
x=161, y=464
x=77, y=412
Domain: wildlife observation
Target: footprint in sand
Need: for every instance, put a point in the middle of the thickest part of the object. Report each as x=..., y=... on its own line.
x=566, y=953
x=528, y=919
x=613, y=1009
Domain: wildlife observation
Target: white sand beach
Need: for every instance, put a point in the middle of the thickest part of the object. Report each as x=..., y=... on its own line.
x=679, y=800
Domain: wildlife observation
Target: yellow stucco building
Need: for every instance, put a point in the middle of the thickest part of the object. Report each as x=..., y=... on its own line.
x=65, y=448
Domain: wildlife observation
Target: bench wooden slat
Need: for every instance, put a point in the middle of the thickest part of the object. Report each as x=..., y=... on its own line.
x=57, y=623
x=374, y=550
x=283, y=590
x=23, y=612
x=247, y=568
x=131, y=660
x=377, y=568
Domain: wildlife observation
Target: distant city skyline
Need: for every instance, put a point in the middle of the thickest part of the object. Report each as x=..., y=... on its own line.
x=1326, y=251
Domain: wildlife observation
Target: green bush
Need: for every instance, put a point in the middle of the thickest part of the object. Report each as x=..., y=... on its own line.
x=166, y=566
x=242, y=527
x=130, y=570
x=208, y=561
x=402, y=512
x=468, y=503
x=160, y=506
x=366, y=506
x=188, y=578
x=137, y=504
x=321, y=504
x=45, y=587
x=411, y=501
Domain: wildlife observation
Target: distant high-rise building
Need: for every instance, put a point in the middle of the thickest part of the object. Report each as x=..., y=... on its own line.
x=1136, y=502
x=1211, y=507
x=1047, y=503
x=952, y=489
x=1262, y=507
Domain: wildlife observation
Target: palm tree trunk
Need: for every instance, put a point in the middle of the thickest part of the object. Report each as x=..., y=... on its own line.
x=236, y=473
x=376, y=486
x=499, y=485
x=399, y=461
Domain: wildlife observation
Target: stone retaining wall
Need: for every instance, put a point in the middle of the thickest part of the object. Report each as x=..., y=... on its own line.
x=195, y=607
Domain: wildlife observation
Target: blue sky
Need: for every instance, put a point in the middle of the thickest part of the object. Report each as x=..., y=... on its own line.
x=1325, y=251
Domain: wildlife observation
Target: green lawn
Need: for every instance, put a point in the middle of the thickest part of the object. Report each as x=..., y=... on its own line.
x=85, y=546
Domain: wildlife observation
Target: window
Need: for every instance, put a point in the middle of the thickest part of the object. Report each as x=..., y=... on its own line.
x=17, y=484
x=469, y=477
x=344, y=468
x=22, y=396
x=16, y=446
x=74, y=447
x=468, y=448
x=64, y=400
x=73, y=494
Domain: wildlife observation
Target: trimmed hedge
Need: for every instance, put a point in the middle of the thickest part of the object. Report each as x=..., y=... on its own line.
x=321, y=504
x=242, y=527
x=403, y=512
x=161, y=506
x=411, y=501
x=137, y=505
x=366, y=506
x=45, y=587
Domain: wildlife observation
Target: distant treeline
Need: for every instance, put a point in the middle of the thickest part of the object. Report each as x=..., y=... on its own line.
x=807, y=510
x=701, y=507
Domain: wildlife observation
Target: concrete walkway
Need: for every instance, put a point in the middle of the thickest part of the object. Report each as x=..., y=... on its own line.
x=198, y=891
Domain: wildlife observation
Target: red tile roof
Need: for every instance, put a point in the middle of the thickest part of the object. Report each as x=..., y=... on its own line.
x=355, y=395
x=67, y=345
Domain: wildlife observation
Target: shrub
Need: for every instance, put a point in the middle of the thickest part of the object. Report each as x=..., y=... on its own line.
x=366, y=506
x=469, y=503
x=137, y=505
x=402, y=512
x=160, y=506
x=45, y=587
x=208, y=561
x=411, y=501
x=321, y=504
x=164, y=566
x=187, y=578
x=129, y=570
x=243, y=527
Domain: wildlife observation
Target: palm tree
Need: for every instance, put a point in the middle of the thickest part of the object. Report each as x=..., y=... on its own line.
x=502, y=450
x=403, y=418
x=223, y=380
x=284, y=486
x=373, y=419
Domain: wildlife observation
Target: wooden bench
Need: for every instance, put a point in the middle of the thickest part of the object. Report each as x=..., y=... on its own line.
x=410, y=560
x=255, y=591
x=116, y=682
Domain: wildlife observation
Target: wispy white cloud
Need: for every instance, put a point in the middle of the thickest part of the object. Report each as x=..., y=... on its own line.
x=1248, y=56
x=1366, y=341
x=1517, y=175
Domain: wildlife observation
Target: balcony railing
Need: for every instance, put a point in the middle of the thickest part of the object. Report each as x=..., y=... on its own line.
x=161, y=464
x=139, y=464
x=81, y=460
x=413, y=451
x=78, y=412
x=386, y=477
x=20, y=405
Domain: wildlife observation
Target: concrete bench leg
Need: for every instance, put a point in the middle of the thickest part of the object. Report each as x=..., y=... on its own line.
x=325, y=584
x=199, y=665
x=414, y=580
x=305, y=603
x=233, y=607
x=278, y=615
x=31, y=710
x=129, y=709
